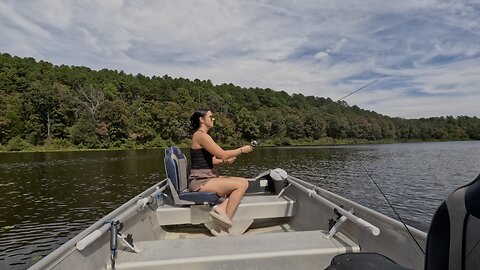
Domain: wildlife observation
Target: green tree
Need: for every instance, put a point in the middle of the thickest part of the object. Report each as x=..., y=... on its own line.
x=338, y=127
x=113, y=122
x=224, y=130
x=40, y=111
x=41, y=102
x=246, y=124
x=174, y=123
x=315, y=125
x=83, y=133
x=143, y=125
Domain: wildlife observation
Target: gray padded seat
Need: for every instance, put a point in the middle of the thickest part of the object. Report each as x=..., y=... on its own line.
x=176, y=167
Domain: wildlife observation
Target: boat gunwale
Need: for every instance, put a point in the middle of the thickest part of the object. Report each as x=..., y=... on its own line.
x=416, y=232
x=68, y=247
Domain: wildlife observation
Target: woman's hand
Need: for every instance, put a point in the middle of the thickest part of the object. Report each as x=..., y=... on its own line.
x=246, y=149
x=229, y=160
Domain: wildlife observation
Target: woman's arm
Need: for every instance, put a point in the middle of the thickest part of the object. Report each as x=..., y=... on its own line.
x=219, y=161
x=205, y=141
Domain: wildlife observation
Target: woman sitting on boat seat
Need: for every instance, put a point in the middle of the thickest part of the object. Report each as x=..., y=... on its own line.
x=205, y=153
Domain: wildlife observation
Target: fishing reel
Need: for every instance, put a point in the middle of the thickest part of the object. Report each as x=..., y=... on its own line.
x=254, y=144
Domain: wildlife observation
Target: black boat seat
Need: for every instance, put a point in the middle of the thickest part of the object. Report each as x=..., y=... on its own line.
x=176, y=167
x=453, y=241
x=454, y=237
x=363, y=261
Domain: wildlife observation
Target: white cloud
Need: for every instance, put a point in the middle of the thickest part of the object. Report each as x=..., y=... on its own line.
x=321, y=55
x=429, y=49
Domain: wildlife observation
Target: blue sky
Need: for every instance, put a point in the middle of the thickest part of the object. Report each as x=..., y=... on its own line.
x=429, y=50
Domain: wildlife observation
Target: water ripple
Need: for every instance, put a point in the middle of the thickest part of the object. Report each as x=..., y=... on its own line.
x=48, y=198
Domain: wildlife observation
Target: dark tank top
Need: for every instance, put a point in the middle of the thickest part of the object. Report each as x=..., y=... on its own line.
x=201, y=159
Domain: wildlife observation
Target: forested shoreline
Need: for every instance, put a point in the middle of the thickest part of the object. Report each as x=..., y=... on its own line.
x=49, y=107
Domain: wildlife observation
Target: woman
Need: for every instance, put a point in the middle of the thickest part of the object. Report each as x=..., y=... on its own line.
x=205, y=154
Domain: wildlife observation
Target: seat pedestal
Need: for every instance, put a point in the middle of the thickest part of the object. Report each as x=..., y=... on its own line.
x=238, y=226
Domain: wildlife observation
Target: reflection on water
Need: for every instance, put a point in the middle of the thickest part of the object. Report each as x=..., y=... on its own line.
x=48, y=198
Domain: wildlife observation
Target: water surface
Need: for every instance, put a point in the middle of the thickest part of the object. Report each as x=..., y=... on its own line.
x=48, y=198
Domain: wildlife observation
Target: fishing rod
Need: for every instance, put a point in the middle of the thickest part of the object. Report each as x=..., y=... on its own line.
x=368, y=84
x=363, y=87
x=371, y=178
x=391, y=206
x=255, y=143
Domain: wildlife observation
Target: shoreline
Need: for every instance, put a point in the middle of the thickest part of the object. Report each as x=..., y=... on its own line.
x=268, y=143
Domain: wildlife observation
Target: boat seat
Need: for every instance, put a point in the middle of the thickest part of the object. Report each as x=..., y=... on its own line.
x=250, y=208
x=453, y=241
x=280, y=250
x=363, y=261
x=176, y=167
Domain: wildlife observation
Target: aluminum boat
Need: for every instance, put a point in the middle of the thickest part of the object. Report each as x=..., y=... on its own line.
x=281, y=223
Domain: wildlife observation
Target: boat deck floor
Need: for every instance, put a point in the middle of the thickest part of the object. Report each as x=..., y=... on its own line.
x=270, y=247
x=199, y=231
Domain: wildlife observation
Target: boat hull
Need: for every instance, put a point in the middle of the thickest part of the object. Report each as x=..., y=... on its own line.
x=289, y=228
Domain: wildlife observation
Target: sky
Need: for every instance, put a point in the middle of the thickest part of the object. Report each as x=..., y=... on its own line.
x=428, y=51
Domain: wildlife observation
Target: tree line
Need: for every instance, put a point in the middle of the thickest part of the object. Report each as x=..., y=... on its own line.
x=66, y=107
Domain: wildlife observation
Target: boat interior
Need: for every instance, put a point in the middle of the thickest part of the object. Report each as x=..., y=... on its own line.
x=277, y=226
x=268, y=230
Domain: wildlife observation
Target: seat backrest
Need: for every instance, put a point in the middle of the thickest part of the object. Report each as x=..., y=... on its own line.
x=182, y=163
x=171, y=168
x=176, y=167
x=454, y=237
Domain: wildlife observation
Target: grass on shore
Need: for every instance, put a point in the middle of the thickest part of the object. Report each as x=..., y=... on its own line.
x=57, y=145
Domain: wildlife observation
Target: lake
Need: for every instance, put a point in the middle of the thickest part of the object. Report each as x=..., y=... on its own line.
x=48, y=198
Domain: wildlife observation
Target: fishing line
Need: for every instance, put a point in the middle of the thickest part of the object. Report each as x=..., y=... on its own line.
x=384, y=196
x=366, y=85
x=372, y=82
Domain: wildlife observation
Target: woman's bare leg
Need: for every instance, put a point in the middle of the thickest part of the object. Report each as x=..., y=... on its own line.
x=233, y=187
x=221, y=208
